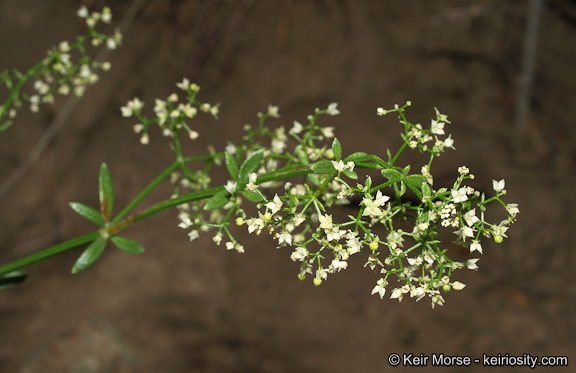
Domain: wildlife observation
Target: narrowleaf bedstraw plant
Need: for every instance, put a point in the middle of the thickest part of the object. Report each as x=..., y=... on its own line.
x=294, y=177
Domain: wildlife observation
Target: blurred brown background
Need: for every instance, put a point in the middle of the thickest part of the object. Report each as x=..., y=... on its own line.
x=183, y=307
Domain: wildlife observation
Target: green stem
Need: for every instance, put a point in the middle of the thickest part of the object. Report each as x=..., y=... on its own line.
x=48, y=253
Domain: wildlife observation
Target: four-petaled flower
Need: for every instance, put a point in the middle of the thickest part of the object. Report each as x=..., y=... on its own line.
x=380, y=288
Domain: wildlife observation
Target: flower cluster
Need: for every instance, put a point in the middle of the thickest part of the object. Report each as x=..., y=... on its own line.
x=294, y=177
x=68, y=68
x=171, y=114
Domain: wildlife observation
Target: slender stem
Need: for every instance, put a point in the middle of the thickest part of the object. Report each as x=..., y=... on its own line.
x=146, y=191
x=48, y=253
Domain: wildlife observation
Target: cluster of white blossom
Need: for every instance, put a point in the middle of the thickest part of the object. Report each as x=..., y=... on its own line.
x=68, y=68
x=298, y=216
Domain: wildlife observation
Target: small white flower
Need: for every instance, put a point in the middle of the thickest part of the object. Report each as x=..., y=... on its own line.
x=475, y=246
x=297, y=128
x=184, y=85
x=327, y=131
x=471, y=263
x=193, y=235
x=230, y=186
x=275, y=205
x=417, y=292
x=332, y=109
x=273, y=111
x=337, y=265
x=449, y=142
x=380, y=288
x=325, y=221
x=459, y=195
x=339, y=166
x=471, y=217
x=285, y=237
x=498, y=185
x=457, y=285
x=512, y=209
x=82, y=12
x=217, y=238
x=437, y=127
x=299, y=254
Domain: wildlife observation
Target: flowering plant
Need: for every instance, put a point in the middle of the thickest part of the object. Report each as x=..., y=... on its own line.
x=294, y=178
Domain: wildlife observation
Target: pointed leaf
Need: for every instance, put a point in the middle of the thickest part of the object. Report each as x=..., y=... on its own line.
x=337, y=149
x=4, y=126
x=90, y=255
x=88, y=212
x=351, y=174
x=250, y=165
x=12, y=278
x=251, y=196
x=218, y=200
x=232, y=166
x=106, y=192
x=323, y=167
x=391, y=174
x=357, y=157
x=128, y=245
x=414, y=182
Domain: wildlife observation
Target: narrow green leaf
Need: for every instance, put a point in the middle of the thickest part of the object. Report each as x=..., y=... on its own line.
x=426, y=190
x=337, y=149
x=232, y=166
x=90, y=255
x=251, y=196
x=357, y=157
x=128, y=245
x=218, y=200
x=351, y=174
x=4, y=126
x=391, y=174
x=12, y=278
x=414, y=182
x=323, y=167
x=88, y=212
x=106, y=192
x=250, y=165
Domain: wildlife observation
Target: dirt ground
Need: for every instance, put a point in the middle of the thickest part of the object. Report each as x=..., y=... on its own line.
x=194, y=307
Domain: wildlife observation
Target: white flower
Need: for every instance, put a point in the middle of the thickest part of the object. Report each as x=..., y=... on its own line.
x=457, y=285
x=285, y=237
x=437, y=127
x=273, y=111
x=373, y=206
x=332, y=110
x=512, y=209
x=471, y=217
x=380, y=288
x=297, y=128
x=459, y=195
x=193, y=235
x=252, y=181
x=184, y=85
x=275, y=205
x=417, y=292
x=399, y=292
x=230, y=186
x=463, y=170
x=449, y=142
x=325, y=221
x=327, y=131
x=217, y=238
x=339, y=166
x=498, y=185
x=229, y=245
x=82, y=12
x=299, y=254
x=471, y=263
x=475, y=246
x=337, y=265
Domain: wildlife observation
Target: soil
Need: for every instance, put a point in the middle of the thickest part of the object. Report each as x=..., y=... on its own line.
x=195, y=307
